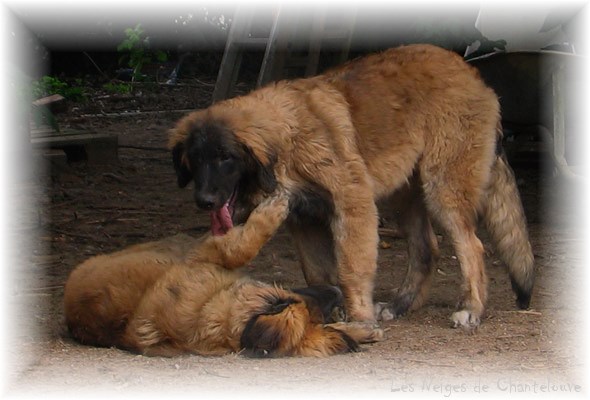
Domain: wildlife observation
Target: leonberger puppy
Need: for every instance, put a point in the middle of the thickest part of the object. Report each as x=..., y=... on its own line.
x=415, y=122
x=157, y=299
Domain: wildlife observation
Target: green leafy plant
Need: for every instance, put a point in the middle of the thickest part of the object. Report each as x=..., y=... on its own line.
x=48, y=85
x=137, y=51
x=117, y=88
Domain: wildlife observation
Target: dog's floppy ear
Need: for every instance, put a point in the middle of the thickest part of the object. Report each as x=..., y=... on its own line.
x=183, y=174
x=262, y=170
x=264, y=333
x=266, y=177
x=323, y=298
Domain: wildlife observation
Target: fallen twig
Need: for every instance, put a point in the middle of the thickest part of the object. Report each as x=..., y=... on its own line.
x=116, y=177
x=526, y=312
x=393, y=233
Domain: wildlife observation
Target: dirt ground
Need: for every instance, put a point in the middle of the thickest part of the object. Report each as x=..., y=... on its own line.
x=73, y=211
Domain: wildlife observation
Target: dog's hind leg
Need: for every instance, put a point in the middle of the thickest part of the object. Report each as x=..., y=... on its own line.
x=461, y=225
x=454, y=186
x=451, y=205
x=315, y=246
x=422, y=251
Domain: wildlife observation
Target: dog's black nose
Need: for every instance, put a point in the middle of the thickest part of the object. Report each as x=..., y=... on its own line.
x=205, y=202
x=205, y=205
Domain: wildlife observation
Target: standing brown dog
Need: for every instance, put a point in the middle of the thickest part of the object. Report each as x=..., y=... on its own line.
x=160, y=299
x=414, y=119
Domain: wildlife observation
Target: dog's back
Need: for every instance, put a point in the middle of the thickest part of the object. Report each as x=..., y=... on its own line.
x=102, y=293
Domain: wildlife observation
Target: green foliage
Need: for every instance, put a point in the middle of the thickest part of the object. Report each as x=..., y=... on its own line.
x=137, y=51
x=117, y=88
x=48, y=85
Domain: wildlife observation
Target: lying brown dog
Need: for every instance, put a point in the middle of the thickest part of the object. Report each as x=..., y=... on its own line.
x=162, y=299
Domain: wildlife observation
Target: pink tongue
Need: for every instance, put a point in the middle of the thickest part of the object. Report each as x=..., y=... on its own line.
x=221, y=221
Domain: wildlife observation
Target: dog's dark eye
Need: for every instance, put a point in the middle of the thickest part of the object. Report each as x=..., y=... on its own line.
x=224, y=156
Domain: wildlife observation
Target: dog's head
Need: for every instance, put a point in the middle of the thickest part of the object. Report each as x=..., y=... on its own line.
x=226, y=171
x=288, y=323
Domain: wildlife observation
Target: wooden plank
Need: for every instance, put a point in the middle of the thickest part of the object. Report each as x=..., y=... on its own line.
x=95, y=148
x=47, y=131
x=48, y=100
x=71, y=139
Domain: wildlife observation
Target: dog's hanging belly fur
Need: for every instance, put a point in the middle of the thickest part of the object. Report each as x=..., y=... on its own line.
x=310, y=204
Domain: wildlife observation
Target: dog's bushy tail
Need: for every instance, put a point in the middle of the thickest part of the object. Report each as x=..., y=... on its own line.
x=504, y=218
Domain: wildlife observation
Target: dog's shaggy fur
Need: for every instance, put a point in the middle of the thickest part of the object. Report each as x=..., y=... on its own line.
x=157, y=299
x=414, y=121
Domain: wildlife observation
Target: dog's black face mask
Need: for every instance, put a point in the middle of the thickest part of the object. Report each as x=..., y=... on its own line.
x=224, y=172
x=216, y=167
x=262, y=337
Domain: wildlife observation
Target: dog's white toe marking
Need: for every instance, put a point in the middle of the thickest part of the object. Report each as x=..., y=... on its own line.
x=383, y=312
x=464, y=319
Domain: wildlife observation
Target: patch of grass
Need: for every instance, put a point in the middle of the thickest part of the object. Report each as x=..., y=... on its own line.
x=117, y=88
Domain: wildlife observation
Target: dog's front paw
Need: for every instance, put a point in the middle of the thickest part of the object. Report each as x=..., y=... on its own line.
x=274, y=208
x=361, y=332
